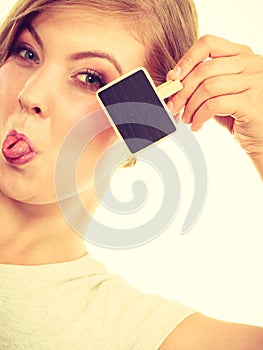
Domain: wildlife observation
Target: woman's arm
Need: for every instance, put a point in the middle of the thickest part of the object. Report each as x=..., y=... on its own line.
x=258, y=162
x=223, y=80
x=199, y=332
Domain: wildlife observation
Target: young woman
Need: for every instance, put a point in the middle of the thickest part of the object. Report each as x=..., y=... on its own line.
x=54, y=55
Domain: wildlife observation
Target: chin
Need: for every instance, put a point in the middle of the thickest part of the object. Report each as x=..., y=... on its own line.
x=28, y=197
x=26, y=191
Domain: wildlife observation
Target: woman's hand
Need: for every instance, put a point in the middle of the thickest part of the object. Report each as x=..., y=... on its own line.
x=224, y=80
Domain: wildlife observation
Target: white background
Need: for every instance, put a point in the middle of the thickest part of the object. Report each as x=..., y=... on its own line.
x=217, y=267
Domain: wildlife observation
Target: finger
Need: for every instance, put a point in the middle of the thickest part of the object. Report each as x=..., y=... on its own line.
x=224, y=105
x=214, y=87
x=226, y=121
x=211, y=68
x=207, y=46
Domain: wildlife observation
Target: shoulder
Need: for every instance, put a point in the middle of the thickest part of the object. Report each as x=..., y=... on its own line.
x=200, y=332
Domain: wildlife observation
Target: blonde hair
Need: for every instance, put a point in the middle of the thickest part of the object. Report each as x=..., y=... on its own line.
x=167, y=28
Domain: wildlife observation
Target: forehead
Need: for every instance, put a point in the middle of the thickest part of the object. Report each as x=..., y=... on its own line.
x=77, y=30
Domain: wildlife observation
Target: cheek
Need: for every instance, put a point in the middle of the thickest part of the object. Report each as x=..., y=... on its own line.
x=12, y=81
x=97, y=161
x=89, y=136
x=8, y=87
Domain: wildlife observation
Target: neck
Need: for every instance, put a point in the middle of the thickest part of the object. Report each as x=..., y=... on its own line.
x=37, y=234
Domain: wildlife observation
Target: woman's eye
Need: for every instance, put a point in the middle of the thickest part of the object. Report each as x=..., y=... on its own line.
x=24, y=53
x=28, y=55
x=90, y=79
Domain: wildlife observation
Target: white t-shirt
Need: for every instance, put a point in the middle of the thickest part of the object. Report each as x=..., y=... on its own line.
x=78, y=305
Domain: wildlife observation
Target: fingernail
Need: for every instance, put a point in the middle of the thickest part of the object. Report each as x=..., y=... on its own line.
x=171, y=106
x=184, y=118
x=175, y=74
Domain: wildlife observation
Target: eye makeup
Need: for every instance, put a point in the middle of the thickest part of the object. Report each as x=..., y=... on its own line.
x=23, y=52
x=89, y=79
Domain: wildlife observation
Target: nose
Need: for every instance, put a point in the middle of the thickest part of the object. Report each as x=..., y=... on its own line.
x=35, y=96
x=31, y=108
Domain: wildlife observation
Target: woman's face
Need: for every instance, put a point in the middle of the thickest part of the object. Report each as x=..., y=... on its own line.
x=47, y=85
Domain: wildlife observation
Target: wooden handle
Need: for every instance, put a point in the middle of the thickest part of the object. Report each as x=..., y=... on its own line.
x=169, y=88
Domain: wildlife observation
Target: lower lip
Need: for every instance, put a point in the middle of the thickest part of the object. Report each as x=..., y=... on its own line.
x=21, y=160
x=26, y=147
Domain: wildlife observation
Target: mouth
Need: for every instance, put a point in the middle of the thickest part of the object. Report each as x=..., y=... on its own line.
x=17, y=149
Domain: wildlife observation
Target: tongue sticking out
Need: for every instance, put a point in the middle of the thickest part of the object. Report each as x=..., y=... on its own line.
x=18, y=149
x=14, y=148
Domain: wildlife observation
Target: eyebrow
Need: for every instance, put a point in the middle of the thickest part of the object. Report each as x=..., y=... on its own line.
x=80, y=55
x=98, y=54
x=35, y=35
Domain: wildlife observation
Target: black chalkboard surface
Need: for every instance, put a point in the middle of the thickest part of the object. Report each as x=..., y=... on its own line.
x=136, y=110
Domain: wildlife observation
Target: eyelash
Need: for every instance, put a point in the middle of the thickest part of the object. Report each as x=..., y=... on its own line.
x=17, y=52
x=97, y=80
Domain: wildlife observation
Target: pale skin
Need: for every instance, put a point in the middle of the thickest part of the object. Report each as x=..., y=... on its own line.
x=44, y=101
x=229, y=83
x=33, y=103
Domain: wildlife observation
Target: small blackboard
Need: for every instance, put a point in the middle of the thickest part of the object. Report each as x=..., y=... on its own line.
x=135, y=109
